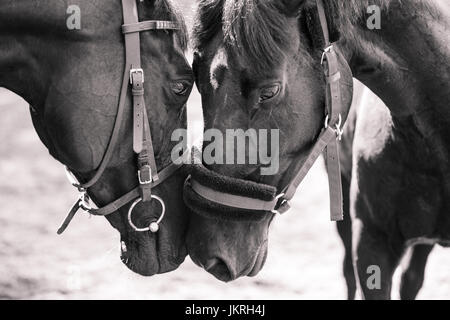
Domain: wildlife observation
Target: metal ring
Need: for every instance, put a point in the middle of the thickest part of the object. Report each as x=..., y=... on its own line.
x=154, y=225
x=278, y=197
x=327, y=118
x=326, y=50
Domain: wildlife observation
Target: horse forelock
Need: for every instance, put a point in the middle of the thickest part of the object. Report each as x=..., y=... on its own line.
x=254, y=30
x=252, y=25
x=257, y=31
x=166, y=10
x=208, y=22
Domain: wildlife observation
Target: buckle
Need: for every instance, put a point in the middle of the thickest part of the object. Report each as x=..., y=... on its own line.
x=145, y=175
x=325, y=51
x=337, y=128
x=85, y=202
x=284, y=206
x=136, y=71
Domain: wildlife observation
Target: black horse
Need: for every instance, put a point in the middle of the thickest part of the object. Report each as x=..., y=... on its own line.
x=67, y=60
x=258, y=65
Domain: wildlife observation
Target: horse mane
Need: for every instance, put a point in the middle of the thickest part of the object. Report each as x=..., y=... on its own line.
x=255, y=29
x=166, y=10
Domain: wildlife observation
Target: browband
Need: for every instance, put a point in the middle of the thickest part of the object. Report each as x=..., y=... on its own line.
x=150, y=25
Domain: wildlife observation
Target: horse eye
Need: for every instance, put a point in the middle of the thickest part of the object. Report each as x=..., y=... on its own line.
x=180, y=88
x=268, y=93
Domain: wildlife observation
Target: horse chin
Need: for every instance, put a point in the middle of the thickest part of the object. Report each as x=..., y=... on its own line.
x=142, y=254
x=260, y=261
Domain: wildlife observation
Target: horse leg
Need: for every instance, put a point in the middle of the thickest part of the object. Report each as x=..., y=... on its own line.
x=375, y=260
x=412, y=277
x=345, y=232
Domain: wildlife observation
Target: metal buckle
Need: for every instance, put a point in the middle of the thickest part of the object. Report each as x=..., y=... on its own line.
x=325, y=51
x=337, y=128
x=85, y=201
x=138, y=70
x=154, y=225
x=149, y=179
x=285, y=205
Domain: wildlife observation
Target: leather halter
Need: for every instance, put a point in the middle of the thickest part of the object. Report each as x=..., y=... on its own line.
x=147, y=175
x=327, y=141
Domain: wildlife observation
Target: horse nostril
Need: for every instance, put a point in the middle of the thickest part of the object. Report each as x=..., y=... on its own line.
x=218, y=268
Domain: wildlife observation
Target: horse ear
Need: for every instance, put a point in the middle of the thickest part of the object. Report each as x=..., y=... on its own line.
x=291, y=7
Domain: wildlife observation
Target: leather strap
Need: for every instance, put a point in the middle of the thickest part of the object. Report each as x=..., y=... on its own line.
x=334, y=114
x=323, y=22
x=149, y=25
x=70, y=216
x=122, y=201
x=142, y=140
x=231, y=200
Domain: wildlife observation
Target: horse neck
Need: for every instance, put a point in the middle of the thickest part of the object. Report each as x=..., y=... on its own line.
x=24, y=61
x=36, y=43
x=406, y=62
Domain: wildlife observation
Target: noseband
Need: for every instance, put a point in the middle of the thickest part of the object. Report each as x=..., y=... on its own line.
x=326, y=142
x=147, y=174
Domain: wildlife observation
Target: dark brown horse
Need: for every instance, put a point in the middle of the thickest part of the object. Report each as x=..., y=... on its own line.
x=258, y=65
x=365, y=104
x=67, y=60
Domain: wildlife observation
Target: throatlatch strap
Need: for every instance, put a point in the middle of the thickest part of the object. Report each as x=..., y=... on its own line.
x=138, y=112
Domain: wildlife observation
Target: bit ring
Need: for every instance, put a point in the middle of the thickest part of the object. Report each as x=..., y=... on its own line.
x=154, y=225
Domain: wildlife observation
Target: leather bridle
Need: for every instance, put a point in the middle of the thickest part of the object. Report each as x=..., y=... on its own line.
x=148, y=175
x=327, y=142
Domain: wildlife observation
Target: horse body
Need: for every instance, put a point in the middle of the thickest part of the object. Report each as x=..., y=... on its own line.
x=399, y=193
x=72, y=80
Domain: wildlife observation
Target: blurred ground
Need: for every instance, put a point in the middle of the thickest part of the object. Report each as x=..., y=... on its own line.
x=304, y=259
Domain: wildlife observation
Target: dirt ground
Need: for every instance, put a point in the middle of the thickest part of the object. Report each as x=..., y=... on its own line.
x=305, y=252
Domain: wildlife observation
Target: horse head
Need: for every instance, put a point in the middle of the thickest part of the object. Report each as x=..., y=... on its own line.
x=68, y=62
x=258, y=65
